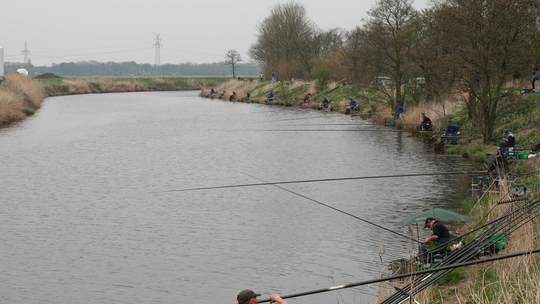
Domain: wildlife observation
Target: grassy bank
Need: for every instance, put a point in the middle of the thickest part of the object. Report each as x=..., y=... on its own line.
x=72, y=86
x=512, y=281
x=289, y=94
x=20, y=97
x=518, y=113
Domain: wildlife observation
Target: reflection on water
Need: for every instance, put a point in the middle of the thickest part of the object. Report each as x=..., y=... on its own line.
x=80, y=223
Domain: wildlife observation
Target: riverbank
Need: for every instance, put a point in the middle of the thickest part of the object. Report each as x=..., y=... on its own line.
x=73, y=86
x=22, y=96
x=518, y=113
x=513, y=281
x=516, y=279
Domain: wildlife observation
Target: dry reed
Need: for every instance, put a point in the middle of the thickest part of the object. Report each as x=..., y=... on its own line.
x=31, y=91
x=11, y=107
x=17, y=94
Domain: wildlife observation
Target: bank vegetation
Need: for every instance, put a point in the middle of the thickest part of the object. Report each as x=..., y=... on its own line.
x=20, y=97
x=472, y=49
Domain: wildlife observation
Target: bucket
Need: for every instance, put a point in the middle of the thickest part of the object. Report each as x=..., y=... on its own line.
x=522, y=155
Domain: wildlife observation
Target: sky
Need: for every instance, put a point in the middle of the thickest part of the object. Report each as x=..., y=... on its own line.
x=195, y=31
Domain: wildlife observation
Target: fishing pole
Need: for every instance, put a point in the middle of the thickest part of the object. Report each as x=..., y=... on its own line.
x=321, y=130
x=260, y=112
x=299, y=118
x=322, y=180
x=499, y=219
x=468, y=252
x=329, y=124
x=409, y=274
x=335, y=209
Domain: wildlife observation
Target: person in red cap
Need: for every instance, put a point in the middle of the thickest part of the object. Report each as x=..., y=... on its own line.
x=248, y=296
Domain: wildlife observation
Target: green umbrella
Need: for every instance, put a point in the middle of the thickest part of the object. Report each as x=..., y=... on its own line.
x=442, y=215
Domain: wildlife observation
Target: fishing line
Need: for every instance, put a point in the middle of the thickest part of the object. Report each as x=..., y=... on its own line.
x=333, y=208
x=320, y=180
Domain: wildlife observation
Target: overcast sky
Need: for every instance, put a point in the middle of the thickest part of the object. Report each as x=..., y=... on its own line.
x=123, y=30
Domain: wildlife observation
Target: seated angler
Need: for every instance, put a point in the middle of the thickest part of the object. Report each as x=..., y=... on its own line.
x=508, y=144
x=352, y=107
x=325, y=105
x=451, y=134
x=399, y=111
x=452, y=130
x=426, y=124
x=232, y=98
x=247, y=98
x=306, y=100
x=270, y=98
x=440, y=236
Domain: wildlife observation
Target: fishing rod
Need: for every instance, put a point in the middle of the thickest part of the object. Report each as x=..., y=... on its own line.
x=409, y=274
x=471, y=250
x=329, y=124
x=299, y=118
x=486, y=243
x=321, y=130
x=526, y=208
x=504, y=225
x=321, y=180
x=515, y=200
x=260, y=112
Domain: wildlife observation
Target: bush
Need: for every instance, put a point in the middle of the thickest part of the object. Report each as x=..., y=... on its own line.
x=323, y=74
x=478, y=156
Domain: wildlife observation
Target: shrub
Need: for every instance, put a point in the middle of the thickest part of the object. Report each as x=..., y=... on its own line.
x=478, y=156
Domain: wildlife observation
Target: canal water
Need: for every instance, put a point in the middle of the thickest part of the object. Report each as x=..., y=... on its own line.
x=82, y=219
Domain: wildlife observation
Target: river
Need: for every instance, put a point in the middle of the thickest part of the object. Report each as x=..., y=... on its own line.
x=83, y=219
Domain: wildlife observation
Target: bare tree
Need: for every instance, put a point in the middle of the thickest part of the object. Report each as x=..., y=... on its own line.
x=488, y=40
x=433, y=61
x=389, y=33
x=232, y=57
x=285, y=42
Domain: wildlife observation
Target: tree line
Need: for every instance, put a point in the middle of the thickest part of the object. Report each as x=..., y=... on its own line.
x=468, y=48
x=133, y=69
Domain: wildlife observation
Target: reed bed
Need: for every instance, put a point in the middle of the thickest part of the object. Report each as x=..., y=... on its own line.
x=20, y=96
